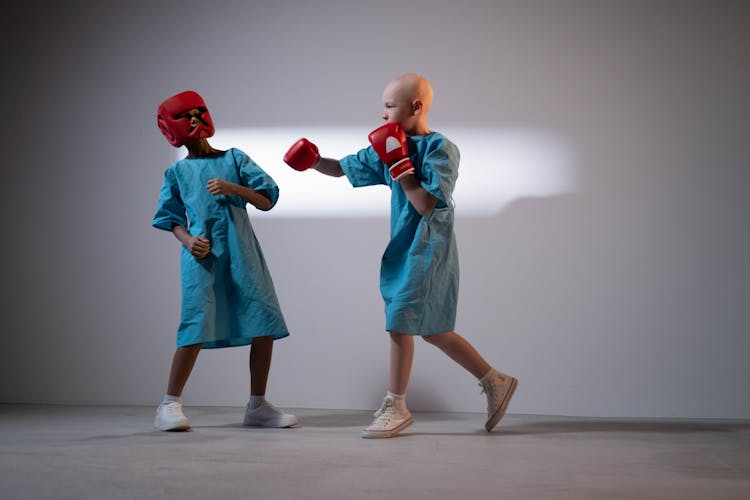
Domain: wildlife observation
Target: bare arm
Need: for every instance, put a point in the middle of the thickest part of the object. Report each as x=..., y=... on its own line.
x=422, y=201
x=329, y=166
x=255, y=198
x=198, y=246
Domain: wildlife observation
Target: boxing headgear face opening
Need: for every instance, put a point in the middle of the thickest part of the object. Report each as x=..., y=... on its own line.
x=174, y=122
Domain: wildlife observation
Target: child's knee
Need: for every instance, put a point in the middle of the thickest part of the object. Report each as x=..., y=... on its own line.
x=431, y=339
x=265, y=340
x=437, y=338
x=192, y=347
x=396, y=336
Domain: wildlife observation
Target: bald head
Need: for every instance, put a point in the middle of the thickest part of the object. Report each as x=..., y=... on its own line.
x=412, y=87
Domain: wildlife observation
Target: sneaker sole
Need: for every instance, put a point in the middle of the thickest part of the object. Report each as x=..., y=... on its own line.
x=272, y=425
x=389, y=433
x=175, y=428
x=492, y=422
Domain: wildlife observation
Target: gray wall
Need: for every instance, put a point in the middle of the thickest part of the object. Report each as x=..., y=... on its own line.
x=625, y=297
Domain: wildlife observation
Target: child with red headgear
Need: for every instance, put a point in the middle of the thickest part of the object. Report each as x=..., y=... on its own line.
x=228, y=297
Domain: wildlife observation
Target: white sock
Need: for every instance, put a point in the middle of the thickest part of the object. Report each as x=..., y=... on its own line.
x=171, y=399
x=255, y=401
x=396, y=396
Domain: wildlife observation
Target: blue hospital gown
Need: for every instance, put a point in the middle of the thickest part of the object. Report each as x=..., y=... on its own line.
x=419, y=269
x=228, y=296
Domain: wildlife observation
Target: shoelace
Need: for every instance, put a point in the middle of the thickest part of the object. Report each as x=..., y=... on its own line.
x=174, y=409
x=488, y=387
x=380, y=410
x=385, y=413
x=271, y=407
x=490, y=390
x=265, y=408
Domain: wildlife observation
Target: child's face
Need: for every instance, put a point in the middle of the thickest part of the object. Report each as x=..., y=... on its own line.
x=195, y=116
x=397, y=106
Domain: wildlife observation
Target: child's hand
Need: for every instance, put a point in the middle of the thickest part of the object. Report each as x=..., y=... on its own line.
x=198, y=246
x=218, y=186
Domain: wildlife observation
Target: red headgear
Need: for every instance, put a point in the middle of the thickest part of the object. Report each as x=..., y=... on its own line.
x=176, y=128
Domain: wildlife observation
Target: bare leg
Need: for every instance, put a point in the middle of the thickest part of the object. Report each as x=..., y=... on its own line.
x=393, y=416
x=259, y=412
x=402, y=355
x=460, y=351
x=182, y=366
x=260, y=364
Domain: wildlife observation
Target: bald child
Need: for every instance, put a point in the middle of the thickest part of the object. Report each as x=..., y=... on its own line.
x=419, y=269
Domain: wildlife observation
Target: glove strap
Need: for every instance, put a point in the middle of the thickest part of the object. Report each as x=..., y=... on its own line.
x=401, y=168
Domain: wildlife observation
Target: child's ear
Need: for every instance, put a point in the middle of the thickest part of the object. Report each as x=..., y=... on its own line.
x=416, y=106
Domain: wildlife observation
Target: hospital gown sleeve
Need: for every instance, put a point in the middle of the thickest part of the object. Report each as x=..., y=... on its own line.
x=170, y=211
x=364, y=168
x=255, y=177
x=440, y=171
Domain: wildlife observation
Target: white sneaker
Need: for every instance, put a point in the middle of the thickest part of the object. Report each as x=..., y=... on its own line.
x=268, y=415
x=499, y=388
x=390, y=419
x=169, y=417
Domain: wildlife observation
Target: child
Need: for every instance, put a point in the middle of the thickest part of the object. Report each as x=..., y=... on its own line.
x=419, y=269
x=228, y=298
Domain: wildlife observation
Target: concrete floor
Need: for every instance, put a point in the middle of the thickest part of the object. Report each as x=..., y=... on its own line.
x=112, y=452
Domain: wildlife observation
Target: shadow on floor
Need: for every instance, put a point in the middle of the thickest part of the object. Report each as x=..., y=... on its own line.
x=616, y=425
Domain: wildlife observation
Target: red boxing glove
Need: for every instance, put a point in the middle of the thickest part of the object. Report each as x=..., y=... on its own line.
x=389, y=142
x=302, y=155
